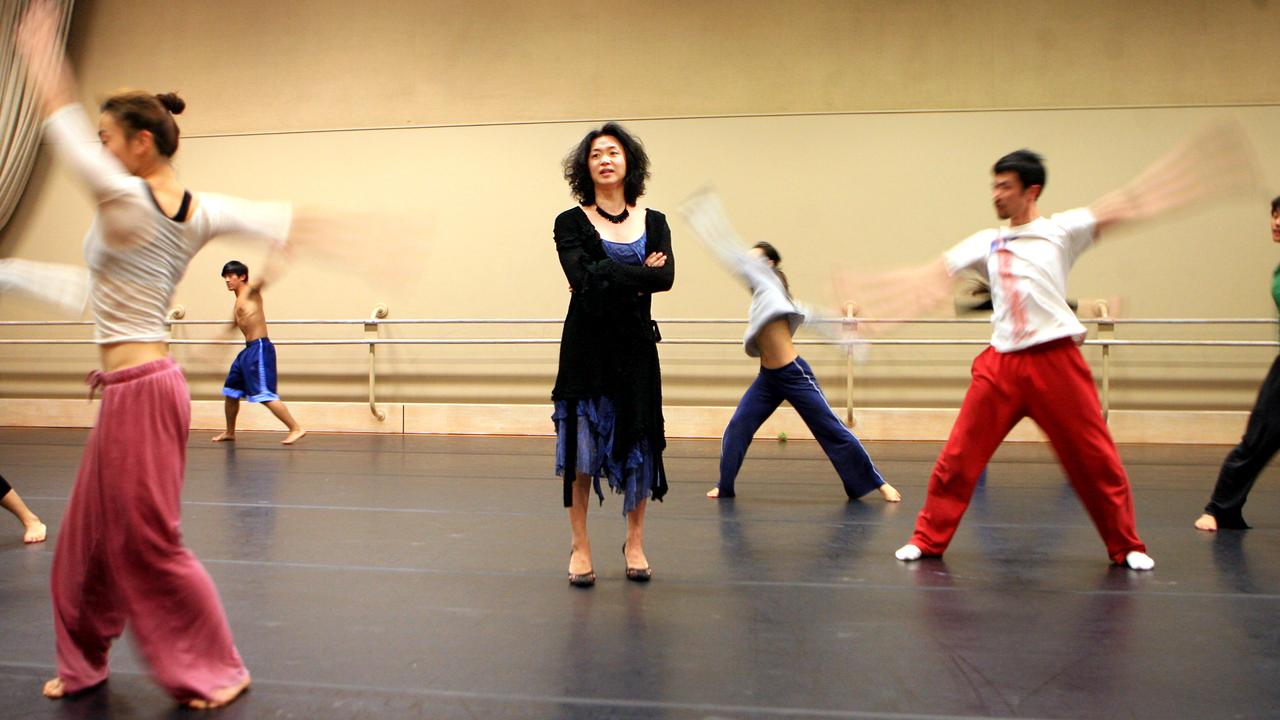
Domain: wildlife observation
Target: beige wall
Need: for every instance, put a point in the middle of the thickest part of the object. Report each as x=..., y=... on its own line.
x=490, y=85
x=251, y=66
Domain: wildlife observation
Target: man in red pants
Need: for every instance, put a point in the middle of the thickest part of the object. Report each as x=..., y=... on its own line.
x=1033, y=367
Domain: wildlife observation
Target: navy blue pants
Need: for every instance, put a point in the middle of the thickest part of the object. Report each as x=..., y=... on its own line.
x=796, y=384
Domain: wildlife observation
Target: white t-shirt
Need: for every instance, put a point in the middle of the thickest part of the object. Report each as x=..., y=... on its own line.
x=1026, y=266
x=133, y=281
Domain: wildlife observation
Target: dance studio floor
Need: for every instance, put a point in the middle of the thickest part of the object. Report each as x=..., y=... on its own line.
x=424, y=577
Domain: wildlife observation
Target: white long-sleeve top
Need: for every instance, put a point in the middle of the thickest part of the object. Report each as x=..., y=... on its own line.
x=135, y=269
x=769, y=299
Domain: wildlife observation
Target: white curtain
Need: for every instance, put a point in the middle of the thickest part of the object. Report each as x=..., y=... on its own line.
x=19, y=114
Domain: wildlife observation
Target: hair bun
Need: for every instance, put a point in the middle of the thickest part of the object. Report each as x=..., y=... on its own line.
x=171, y=102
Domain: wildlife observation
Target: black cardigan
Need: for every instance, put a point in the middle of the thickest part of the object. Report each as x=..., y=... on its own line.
x=608, y=346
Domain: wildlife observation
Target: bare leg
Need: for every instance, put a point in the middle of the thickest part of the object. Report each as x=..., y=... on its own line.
x=1207, y=522
x=281, y=411
x=222, y=697
x=634, y=549
x=580, y=560
x=232, y=408
x=35, y=530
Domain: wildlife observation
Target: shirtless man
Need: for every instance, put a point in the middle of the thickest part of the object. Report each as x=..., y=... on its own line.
x=253, y=374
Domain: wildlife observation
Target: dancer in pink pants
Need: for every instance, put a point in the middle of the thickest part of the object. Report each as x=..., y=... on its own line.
x=120, y=558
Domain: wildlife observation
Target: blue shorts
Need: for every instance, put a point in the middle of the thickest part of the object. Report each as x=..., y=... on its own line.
x=253, y=374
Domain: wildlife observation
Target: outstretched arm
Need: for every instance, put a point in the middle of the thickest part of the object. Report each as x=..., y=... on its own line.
x=50, y=79
x=270, y=271
x=706, y=216
x=64, y=288
x=121, y=201
x=1217, y=161
x=40, y=42
x=898, y=294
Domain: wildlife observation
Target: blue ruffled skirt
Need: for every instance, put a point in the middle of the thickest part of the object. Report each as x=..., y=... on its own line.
x=634, y=477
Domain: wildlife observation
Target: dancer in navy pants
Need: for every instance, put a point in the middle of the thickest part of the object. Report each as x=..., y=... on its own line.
x=784, y=375
x=795, y=383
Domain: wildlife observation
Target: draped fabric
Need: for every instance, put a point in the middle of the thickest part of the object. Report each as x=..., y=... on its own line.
x=19, y=111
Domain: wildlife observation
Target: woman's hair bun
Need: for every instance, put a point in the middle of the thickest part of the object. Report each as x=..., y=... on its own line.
x=171, y=102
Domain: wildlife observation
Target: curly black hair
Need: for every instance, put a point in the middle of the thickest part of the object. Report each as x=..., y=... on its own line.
x=578, y=174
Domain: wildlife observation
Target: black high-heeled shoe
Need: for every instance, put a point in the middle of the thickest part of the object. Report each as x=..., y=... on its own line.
x=582, y=580
x=644, y=574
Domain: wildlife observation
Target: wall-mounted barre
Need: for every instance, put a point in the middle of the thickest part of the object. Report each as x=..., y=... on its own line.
x=1105, y=339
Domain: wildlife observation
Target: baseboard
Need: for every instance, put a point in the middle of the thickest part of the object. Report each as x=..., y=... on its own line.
x=925, y=424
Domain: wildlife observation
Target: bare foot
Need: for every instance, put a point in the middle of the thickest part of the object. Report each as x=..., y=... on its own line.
x=222, y=697
x=890, y=493
x=713, y=493
x=35, y=532
x=225, y=437
x=293, y=437
x=1207, y=523
x=54, y=689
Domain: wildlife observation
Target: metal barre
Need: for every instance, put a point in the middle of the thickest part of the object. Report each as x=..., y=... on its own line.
x=671, y=341
x=668, y=321
x=379, y=317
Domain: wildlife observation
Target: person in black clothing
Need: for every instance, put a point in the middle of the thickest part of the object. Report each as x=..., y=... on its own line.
x=608, y=391
x=1261, y=437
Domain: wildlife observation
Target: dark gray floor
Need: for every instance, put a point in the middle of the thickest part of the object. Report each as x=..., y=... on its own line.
x=406, y=577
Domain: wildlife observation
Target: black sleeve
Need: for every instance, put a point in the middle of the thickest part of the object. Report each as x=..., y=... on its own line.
x=573, y=259
x=584, y=273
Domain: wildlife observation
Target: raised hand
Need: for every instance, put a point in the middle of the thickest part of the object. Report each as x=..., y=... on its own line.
x=39, y=41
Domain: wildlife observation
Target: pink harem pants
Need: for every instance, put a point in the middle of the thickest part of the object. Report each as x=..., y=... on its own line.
x=120, y=556
x=1052, y=385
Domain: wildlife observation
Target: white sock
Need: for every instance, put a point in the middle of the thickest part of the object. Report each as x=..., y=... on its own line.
x=910, y=552
x=1137, y=560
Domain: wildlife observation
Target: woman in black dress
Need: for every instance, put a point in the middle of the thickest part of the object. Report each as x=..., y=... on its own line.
x=608, y=392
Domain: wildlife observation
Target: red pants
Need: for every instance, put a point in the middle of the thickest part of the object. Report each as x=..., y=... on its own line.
x=1052, y=385
x=119, y=554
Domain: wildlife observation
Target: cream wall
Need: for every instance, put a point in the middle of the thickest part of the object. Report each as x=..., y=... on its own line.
x=804, y=115
x=300, y=65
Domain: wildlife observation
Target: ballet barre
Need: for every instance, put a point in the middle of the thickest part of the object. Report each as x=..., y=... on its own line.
x=1104, y=328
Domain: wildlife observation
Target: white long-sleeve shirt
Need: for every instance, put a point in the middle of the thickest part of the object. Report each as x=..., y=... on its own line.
x=769, y=299
x=136, y=269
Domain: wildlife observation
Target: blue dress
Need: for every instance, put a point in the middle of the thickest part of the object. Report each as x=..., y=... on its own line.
x=635, y=475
